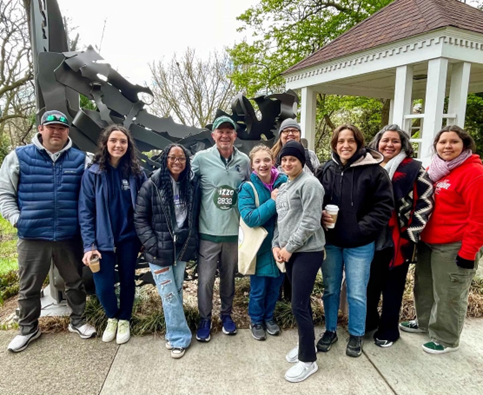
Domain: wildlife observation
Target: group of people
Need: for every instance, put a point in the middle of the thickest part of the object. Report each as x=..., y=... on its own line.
x=390, y=210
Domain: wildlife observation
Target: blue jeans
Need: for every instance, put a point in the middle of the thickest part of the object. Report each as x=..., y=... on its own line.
x=169, y=282
x=357, y=262
x=264, y=292
x=125, y=256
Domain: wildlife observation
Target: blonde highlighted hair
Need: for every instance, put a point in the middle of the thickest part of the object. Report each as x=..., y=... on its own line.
x=258, y=148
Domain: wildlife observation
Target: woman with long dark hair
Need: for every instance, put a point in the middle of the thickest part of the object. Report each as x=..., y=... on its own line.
x=106, y=214
x=451, y=244
x=353, y=181
x=396, y=246
x=166, y=221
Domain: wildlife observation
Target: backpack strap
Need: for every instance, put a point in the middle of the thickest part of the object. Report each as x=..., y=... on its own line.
x=308, y=162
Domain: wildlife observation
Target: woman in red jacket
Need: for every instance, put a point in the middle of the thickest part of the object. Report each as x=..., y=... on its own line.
x=451, y=243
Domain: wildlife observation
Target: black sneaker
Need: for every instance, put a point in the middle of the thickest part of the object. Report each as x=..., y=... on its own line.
x=258, y=332
x=326, y=341
x=354, y=346
x=272, y=328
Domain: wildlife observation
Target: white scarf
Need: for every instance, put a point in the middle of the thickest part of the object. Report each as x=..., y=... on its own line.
x=394, y=163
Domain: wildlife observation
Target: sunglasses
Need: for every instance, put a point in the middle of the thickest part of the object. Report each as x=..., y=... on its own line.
x=54, y=117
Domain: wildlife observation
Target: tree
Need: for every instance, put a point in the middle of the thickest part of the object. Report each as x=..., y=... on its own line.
x=190, y=89
x=16, y=73
x=285, y=32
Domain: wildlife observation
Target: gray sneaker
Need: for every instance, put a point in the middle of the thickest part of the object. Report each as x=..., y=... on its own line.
x=272, y=328
x=21, y=342
x=301, y=371
x=325, y=342
x=258, y=332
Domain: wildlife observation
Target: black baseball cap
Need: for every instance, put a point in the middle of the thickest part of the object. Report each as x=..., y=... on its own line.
x=54, y=117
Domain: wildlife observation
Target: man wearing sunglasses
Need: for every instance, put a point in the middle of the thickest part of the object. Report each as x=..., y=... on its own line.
x=39, y=189
x=221, y=168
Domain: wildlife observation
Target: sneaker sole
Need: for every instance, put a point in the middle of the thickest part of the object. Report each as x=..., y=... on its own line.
x=177, y=355
x=228, y=333
x=34, y=337
x=122, y=341
x=168, y=346
x=326, y=348
x=108, y=339
x=203, y=340
x=276, y=333
x=74, y=330
x=390, y=344
x=411, y=330
x=299, y=379
x=445, y=351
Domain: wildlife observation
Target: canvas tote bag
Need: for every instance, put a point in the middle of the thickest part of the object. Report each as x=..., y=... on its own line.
x=249, y=242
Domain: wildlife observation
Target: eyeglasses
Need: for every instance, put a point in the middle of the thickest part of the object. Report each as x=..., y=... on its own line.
x=54, y=117
x=175, y=159
x=290, y=131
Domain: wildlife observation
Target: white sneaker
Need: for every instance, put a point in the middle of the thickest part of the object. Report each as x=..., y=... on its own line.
x=84, y=331
x=177, y=352
x=168, y=345
x=293, y=355
x=21, y=342
x=110, y=332
x=123, y=332
x=301, y=371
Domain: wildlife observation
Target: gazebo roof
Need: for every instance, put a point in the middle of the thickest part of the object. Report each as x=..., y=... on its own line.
x=399, y=20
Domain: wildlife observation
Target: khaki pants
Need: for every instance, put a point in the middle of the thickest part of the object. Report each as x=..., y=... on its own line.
x=441, y=291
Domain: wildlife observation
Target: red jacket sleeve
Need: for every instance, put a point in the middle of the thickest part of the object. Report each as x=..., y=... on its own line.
x=473, y=236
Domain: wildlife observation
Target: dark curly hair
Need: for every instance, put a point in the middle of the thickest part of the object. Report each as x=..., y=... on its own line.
x=129, y=162
x=185, y=186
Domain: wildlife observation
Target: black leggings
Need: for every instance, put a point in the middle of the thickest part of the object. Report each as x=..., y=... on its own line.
x=390, y=282
x=302, y=269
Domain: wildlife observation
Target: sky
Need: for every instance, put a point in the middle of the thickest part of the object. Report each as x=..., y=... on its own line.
x=141, y=31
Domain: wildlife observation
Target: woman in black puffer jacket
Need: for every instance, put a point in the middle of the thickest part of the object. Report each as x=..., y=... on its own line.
x=166, y=222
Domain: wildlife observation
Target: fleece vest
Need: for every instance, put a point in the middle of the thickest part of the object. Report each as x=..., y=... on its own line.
x=48, y=193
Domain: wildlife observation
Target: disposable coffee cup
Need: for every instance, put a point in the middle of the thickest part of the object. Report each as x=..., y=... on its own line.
x=333, y=211
x=94, y=263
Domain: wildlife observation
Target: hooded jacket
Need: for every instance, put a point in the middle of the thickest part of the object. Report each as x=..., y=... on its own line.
x=264, y=215
x=155, y=224
x=94, y=217
x=363, y=191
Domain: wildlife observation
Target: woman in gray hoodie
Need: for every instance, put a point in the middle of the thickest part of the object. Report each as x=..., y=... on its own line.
x=299, y=242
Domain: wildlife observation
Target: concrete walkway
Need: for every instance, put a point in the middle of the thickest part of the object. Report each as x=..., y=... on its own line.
x=64, y=364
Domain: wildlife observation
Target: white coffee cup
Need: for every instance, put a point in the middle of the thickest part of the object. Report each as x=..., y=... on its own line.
x=333, y=211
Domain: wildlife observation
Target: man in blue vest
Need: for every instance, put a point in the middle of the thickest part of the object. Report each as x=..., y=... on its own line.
x=39, y=189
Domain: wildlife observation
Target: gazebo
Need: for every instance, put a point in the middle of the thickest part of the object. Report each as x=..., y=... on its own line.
x=410, y=49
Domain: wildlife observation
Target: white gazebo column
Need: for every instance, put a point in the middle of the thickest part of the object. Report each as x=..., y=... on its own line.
x=433, y=105
x=403, y=91
x=307, y=116
x=458, y=94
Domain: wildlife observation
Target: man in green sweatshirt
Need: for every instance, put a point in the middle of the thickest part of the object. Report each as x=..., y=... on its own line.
x=221, y=168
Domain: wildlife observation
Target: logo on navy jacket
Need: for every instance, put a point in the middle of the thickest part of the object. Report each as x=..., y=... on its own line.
x=125, y=185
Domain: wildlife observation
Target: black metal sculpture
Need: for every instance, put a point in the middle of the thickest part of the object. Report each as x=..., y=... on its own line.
x=60, y=76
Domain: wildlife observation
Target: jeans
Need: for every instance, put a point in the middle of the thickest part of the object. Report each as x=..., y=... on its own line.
x=302, y=269
x=169, y=282
x=357, y=262
x=264, y=292
x=212, y=256
x=105, y=279
x=34, y=258
x=441, y=291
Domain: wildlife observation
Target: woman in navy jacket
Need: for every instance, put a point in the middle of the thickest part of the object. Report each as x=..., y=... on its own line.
x=106, y=215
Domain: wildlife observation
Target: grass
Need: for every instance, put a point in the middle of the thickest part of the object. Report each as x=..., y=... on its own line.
x=8, y=247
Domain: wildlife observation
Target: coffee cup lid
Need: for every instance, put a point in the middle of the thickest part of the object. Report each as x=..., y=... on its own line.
x=332, y=207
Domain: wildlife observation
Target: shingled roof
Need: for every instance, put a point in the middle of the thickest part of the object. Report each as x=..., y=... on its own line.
x=398, y=20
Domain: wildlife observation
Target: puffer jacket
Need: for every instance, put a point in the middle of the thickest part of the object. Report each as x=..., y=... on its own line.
x=154, y=225
x=363, y=191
